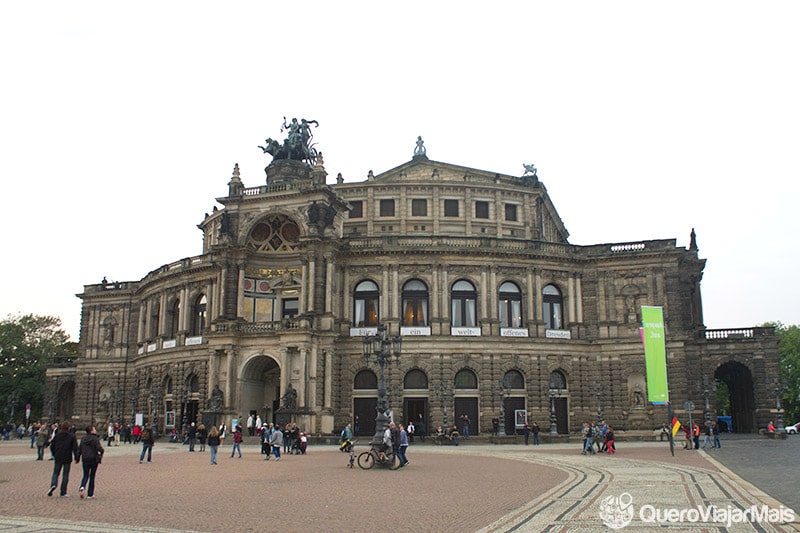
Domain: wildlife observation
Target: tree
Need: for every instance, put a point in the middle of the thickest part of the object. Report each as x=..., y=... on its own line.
x=27, y=345
x=789, y=355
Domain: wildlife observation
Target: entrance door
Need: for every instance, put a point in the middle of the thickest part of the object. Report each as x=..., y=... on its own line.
x=414, y=409
x=365, y=410
x=469, y=407
x=562, y=419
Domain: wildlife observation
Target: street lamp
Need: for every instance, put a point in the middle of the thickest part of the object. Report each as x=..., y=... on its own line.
x=553, y=418
x=597, y=389
x=443, y=392
x=779, y=388
x=706, y=393
x=134, y=397
x=155, y=398
x=379, y=349
x=505, y=392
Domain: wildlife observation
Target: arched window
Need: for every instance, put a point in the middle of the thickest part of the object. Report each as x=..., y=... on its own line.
x=415, y=303
x=194, y=384
x=365, y=379
x=365, y=302
x=553, y=311
x=415, y=379
x=168, y=385
x=155, y=313
x=199, y=315
x=174, y=319
x=462, y=304
x=510, y=306
x=466, y=379
x=514, y=379
x=558, y=380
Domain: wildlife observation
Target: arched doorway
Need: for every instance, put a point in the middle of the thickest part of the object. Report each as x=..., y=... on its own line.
x=65, y=401
x=739, y=380
x=260, y=388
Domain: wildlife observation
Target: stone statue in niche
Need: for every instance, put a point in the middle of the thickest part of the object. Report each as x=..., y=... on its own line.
x=637, y=397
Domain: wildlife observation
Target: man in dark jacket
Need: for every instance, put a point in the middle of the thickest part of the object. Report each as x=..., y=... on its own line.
x=90, y=452
x=64, y=448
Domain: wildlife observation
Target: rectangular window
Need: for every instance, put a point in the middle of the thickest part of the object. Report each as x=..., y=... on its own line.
x=290, y=307
x=481, y=209
x=511, y=212
x=451, y=208
x=419, y=207
x=387, y=208
x=357, y=210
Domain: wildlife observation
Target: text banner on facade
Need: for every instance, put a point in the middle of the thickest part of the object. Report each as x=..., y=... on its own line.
x=655, y=355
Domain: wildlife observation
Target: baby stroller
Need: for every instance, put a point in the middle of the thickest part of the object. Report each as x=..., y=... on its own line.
x=347, y=447
x=294, y=449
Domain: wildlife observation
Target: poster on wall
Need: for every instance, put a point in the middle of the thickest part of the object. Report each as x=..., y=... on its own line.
x=169, y=420
x=655, y=354
x=138, y=419
x=520, y=418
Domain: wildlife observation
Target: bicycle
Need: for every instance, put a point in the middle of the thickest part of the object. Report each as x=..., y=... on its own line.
x=373, y=456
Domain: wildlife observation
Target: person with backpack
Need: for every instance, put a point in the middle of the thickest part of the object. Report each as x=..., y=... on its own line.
x=90, y=451
x=64, y=447
x=147, y=444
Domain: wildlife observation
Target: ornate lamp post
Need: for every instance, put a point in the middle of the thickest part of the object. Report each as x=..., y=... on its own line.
x=112, y=396
x=505, y=392
x=779, y=387
x=379, y=349
x=597, y=390
x=134, y=397
x=155, y=398
x=553, y=418
x=706, y=393
x=185, y=415
x=443, y=392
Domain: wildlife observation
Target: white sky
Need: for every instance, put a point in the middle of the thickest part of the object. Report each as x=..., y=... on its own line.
x=121, y=122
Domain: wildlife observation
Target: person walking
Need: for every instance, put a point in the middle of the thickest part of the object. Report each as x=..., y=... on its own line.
x=91, y=453
x=410, y=430
x=147, y=444
x=237, y=441
x=401, y=449
x=202, y=435
x=213, y=443
x=610, y=446
x=191, y=434
x=535, y=430
x=526, y=431
x=41, y=441
x=64, y=448
x=276, y=441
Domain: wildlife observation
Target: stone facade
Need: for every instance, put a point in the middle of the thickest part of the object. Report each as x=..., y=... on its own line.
x=472, y=268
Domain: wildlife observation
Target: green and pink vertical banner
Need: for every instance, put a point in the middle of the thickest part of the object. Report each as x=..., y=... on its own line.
x=655, y=354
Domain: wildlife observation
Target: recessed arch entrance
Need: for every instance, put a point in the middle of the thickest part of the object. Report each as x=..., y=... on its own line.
x=259, y=387
x=739, y=380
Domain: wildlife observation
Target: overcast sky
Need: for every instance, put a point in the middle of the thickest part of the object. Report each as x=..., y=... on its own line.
x=120, y=124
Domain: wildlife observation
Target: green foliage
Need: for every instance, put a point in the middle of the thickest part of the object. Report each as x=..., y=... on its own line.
x=789, y=353
x=27, y=345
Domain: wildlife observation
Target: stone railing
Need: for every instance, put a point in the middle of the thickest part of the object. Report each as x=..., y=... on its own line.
x=258, y=328
x=737, y=333
x=267, y=189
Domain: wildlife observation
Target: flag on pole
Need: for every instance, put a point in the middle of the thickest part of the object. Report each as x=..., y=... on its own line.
x=676, y=426
x=655, y=354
